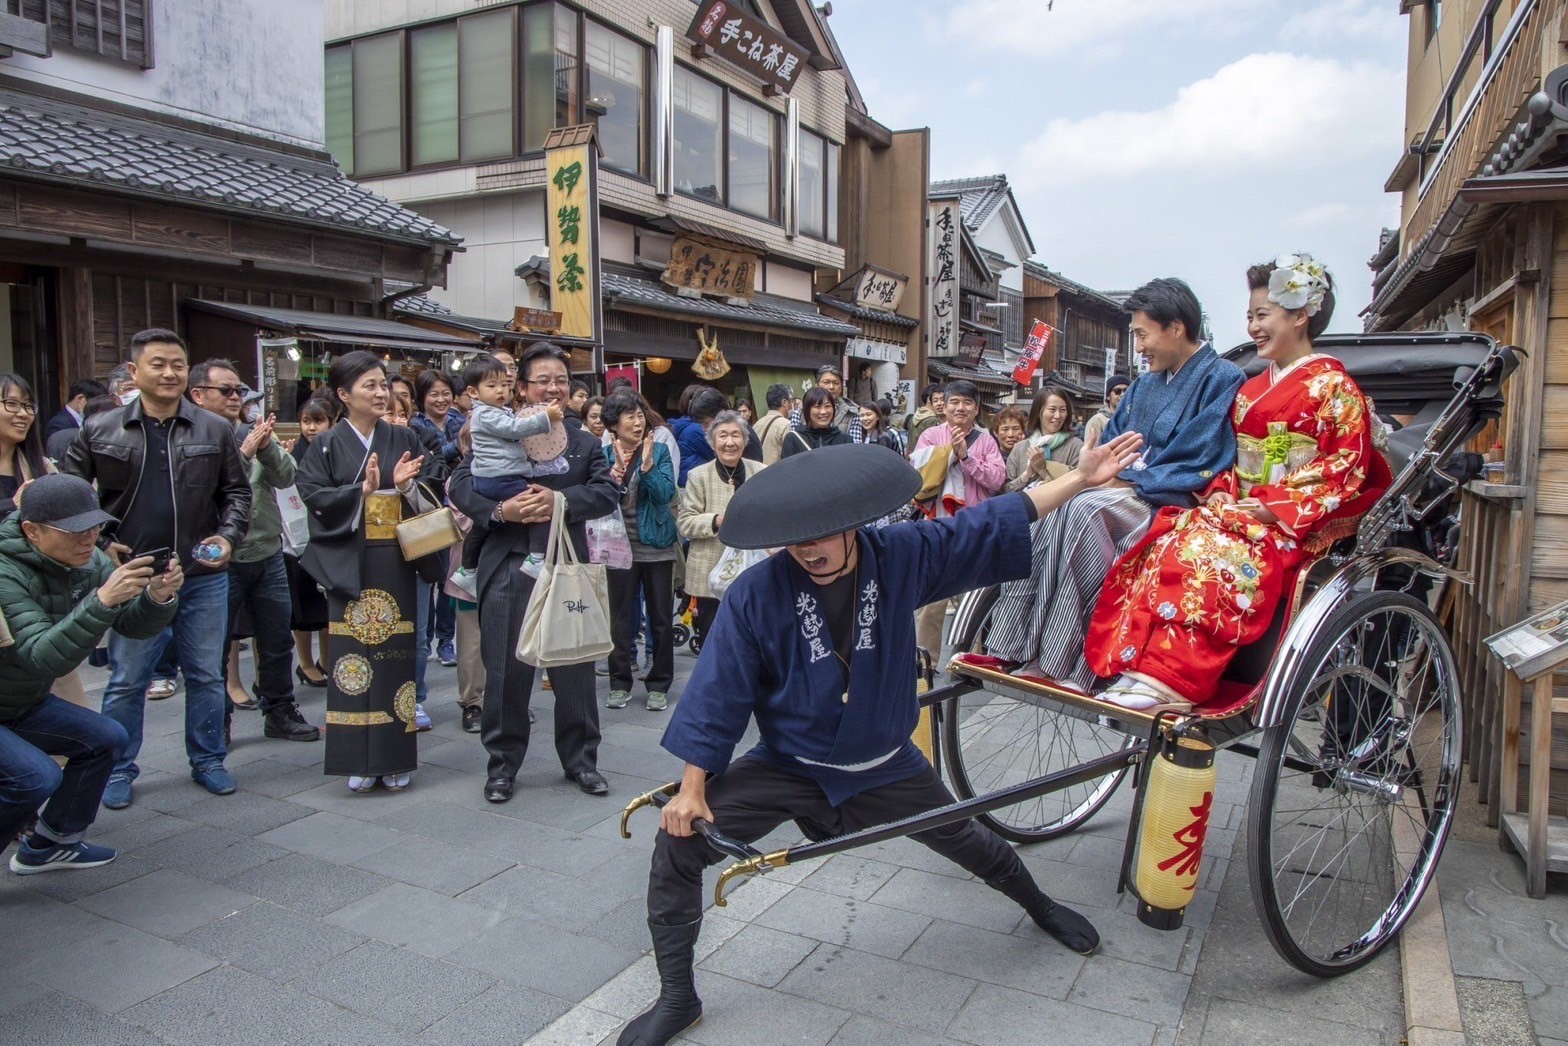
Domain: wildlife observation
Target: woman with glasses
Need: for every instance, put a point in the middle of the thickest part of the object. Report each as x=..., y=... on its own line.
x=22, y=456
x=1050, y=449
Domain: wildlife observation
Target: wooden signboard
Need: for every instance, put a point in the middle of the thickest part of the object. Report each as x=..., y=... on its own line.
x=942, y=233
x=713, y=269
x=880, y=289
x=535, y=320
x=747, y=42
x=572, y=216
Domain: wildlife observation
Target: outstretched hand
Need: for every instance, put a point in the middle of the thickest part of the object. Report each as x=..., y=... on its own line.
x=1101, y=463
x=406, y=470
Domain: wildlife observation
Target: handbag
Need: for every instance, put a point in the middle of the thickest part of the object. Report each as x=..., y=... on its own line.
x=567, y=621
x=732, y=563
x=608, y=543
x=296, y=520
x=423, y=538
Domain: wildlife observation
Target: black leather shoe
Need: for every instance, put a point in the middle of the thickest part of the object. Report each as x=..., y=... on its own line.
x=498, y=789
x=285, y=723
x=591, y=781
x=471, y=719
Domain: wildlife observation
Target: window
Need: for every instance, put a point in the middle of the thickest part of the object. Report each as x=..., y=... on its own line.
x=617, y=71
x=549, y=71
x=832, y=179
x=340, y=105
x=485, y=82
x=113, y=28
x=752, y=150
x=813, y=190
x=432, y=72
x=378, y=105
x=699, y=136
x=1434, y=19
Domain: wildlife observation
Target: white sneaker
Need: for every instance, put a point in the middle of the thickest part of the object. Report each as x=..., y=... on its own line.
x=533, y=564
x=467, y=582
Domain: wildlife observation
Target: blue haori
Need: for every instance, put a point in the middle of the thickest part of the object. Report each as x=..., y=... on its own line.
x=769, y=654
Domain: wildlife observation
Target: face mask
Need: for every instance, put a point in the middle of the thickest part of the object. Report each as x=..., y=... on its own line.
x=127, y=397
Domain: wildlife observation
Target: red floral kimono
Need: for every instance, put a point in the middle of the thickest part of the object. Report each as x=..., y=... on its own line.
x=1202, y=583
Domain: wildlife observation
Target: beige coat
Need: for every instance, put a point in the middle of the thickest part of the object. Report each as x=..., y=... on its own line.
x=701, y=505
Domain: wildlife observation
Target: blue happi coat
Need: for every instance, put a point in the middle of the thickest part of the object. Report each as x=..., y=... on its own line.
x=769, y=654
x=1185, y=423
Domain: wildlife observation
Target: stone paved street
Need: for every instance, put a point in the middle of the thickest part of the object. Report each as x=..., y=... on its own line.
x=297, y=912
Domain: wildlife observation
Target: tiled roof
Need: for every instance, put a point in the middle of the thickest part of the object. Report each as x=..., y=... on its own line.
x=860, y=312
x=421, y=305
x=639, y=287
x=82, y=148
x=978, y=197
x=1108, y=299
x=981, y=375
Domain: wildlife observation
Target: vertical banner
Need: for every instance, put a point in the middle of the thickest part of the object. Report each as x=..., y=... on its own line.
x=942, y=235
x=572, y=216
x=1034, y=352
x=1110, y=367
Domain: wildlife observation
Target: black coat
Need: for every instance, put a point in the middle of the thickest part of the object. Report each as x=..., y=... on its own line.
x=329, y=479
x=590, y=494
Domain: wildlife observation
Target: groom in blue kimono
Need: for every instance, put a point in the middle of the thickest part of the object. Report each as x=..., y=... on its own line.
x=817, y=644
x=1182, y=408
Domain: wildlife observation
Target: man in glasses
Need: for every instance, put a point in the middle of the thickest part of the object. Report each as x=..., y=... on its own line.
x=258, y=580
x=171, y=474
x=62, y=594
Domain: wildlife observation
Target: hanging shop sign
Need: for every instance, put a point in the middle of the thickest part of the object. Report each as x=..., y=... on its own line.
x=699, y=265
x=747, y=42
x=872, y=349
x=971, y=347
x=942, y=242
x=1034, y=352
x=879, y=289
x=541, y=320
x=572, y=215
x=1110, y=368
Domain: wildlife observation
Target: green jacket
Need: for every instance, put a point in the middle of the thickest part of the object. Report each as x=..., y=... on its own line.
x=56, y=618
x=271, y=470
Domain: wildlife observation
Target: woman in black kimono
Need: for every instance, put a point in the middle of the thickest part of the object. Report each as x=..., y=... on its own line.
x=359, y=480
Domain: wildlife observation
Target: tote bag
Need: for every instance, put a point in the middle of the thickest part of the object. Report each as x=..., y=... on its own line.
x=296, y=521
x=567, y=621
x=730, y=566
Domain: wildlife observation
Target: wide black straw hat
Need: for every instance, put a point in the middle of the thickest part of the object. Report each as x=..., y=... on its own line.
x=816, y=494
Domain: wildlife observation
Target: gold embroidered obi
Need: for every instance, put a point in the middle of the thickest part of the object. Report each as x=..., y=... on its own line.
x=383, y=512
x=1267, y=460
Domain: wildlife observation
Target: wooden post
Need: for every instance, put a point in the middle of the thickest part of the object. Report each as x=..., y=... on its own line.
x=1540, y=783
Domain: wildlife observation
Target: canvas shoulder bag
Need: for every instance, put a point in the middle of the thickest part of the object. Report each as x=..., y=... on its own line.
x=567, y=621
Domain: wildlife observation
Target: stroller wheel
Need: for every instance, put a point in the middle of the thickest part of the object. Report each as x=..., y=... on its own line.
x=682, y=634
x=696, y=644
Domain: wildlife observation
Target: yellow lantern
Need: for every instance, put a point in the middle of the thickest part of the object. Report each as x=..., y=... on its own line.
x=657, y=364
x=1178, y=796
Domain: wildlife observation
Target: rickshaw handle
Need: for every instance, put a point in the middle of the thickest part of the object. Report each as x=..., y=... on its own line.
x=717, y=839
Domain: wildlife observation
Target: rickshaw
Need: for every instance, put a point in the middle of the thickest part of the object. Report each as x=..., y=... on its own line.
x=1350, y=705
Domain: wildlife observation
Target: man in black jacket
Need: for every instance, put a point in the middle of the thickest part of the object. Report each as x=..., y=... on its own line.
x=504, y=590
x=70, y=416
x=171, y=473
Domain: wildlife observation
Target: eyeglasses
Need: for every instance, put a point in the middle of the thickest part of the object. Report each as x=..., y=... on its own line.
x=90, y=532
x=550, y=383
x=19, y=407
x=227, y=391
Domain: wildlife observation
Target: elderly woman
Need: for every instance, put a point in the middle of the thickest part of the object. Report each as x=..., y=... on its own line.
x=709, y=488
x=816, y=428
x=1050, y=449
x=642, y=470
x=1009, y=427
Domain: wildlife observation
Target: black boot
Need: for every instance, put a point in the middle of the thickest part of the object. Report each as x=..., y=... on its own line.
x=678, y=1007
x=1058, y=920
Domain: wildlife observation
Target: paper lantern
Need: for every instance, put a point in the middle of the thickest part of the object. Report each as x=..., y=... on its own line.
x=1178, y=796
x=657, y=364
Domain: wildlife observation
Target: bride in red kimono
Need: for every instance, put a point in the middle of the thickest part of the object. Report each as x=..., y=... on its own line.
x=1205, y=581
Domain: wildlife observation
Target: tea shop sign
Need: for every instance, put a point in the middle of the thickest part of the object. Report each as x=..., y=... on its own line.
x=748, y=42
x=711, y=269
x=572, y=218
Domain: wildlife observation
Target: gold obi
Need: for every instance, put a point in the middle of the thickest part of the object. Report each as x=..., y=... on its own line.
x=1267, y=460
x=383, y=512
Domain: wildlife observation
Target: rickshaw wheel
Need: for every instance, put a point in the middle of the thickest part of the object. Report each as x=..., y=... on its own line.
x=990, y=741
x=1355, y=789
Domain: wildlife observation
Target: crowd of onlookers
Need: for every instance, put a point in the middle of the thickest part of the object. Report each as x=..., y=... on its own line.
x=155, y=502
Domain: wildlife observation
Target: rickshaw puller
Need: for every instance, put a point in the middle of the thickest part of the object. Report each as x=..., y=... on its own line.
x=818, y=644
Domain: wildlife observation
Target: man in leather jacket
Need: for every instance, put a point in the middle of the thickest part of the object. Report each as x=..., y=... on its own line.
x=171, y=473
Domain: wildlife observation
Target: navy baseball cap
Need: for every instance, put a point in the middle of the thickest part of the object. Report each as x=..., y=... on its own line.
x=63, y=502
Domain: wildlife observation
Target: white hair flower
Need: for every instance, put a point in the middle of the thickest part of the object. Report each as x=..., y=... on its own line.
x=1299, y=281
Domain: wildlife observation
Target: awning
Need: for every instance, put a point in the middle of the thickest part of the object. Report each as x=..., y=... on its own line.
x=342, y=330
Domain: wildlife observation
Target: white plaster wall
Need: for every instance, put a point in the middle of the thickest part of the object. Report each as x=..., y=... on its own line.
x=788, y=283
x=253, y=65
x=500, y=231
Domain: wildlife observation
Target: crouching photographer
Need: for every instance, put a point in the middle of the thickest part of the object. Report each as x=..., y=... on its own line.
x=61, y=594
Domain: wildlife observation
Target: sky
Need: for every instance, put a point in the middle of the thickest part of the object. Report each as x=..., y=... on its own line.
x=1148, y=138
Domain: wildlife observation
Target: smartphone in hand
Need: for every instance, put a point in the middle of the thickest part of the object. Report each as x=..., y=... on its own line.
x=160, y=559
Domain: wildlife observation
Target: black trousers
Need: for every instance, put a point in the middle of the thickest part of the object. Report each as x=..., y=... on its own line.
x=656, y=581
x=753, y=797
x=707, y=610
x=503, y=722
x=261, y=591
